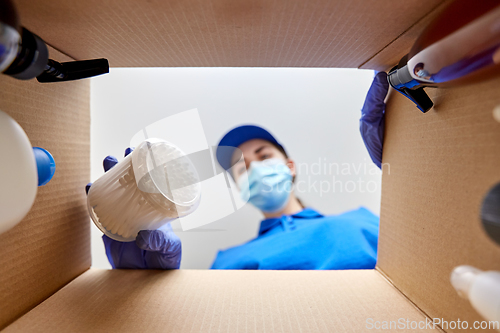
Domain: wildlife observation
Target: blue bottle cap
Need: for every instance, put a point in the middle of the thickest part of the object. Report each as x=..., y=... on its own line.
x=45, y=164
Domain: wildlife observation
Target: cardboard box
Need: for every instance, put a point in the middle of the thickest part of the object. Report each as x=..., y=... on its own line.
x=441, y=165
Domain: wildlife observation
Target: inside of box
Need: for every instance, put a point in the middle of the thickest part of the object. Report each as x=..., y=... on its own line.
x=441, y=165
x=225, y=33
x=51, y=245
x=221, y=300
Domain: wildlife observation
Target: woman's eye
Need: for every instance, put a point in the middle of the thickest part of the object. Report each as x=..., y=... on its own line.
x=265, y=156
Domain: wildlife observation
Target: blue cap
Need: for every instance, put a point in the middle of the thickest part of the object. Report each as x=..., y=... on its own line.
x=236, y=137
x=45, y=164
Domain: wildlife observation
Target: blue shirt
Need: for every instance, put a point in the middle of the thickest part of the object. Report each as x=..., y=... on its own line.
x=308, y=240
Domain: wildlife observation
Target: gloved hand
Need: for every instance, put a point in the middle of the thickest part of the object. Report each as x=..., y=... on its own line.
x=152, y=249
x=372, y=122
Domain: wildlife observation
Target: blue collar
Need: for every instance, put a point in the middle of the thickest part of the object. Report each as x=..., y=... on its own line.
x=306, y=213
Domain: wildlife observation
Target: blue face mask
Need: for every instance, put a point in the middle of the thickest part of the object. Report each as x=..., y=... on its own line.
x=267, y=185
x=422, y=73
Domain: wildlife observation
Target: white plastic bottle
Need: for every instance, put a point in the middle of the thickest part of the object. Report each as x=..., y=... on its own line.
x=153, y=185
x=481, y=288
x=22, y=169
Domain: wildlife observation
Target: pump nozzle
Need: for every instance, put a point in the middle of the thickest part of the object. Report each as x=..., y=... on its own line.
x=24, y=55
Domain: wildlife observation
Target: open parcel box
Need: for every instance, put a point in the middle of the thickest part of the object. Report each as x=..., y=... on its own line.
x=441, y=166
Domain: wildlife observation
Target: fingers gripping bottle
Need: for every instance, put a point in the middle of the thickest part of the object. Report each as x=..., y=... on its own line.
x=153, y=185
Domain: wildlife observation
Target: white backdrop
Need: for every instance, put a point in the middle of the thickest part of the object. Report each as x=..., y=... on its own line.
x=314, y=113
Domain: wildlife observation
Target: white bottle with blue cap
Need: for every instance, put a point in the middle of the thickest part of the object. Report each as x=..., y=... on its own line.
x=22, y=170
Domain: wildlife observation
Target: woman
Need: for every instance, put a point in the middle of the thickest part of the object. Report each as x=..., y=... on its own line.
x=291, y=236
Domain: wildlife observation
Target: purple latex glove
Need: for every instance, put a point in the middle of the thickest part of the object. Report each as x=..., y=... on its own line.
x=152, y=249
x=372, y=122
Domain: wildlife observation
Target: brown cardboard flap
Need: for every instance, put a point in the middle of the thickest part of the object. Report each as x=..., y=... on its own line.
x=51, y=246
x=218, y=300
x=442, y=163
x=223, y=33
x=390, y=55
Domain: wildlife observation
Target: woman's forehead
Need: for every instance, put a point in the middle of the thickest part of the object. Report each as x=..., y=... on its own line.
x=250, y=148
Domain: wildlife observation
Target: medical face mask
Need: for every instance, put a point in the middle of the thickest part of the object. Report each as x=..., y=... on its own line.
x=422, y=73
x=267, y=185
